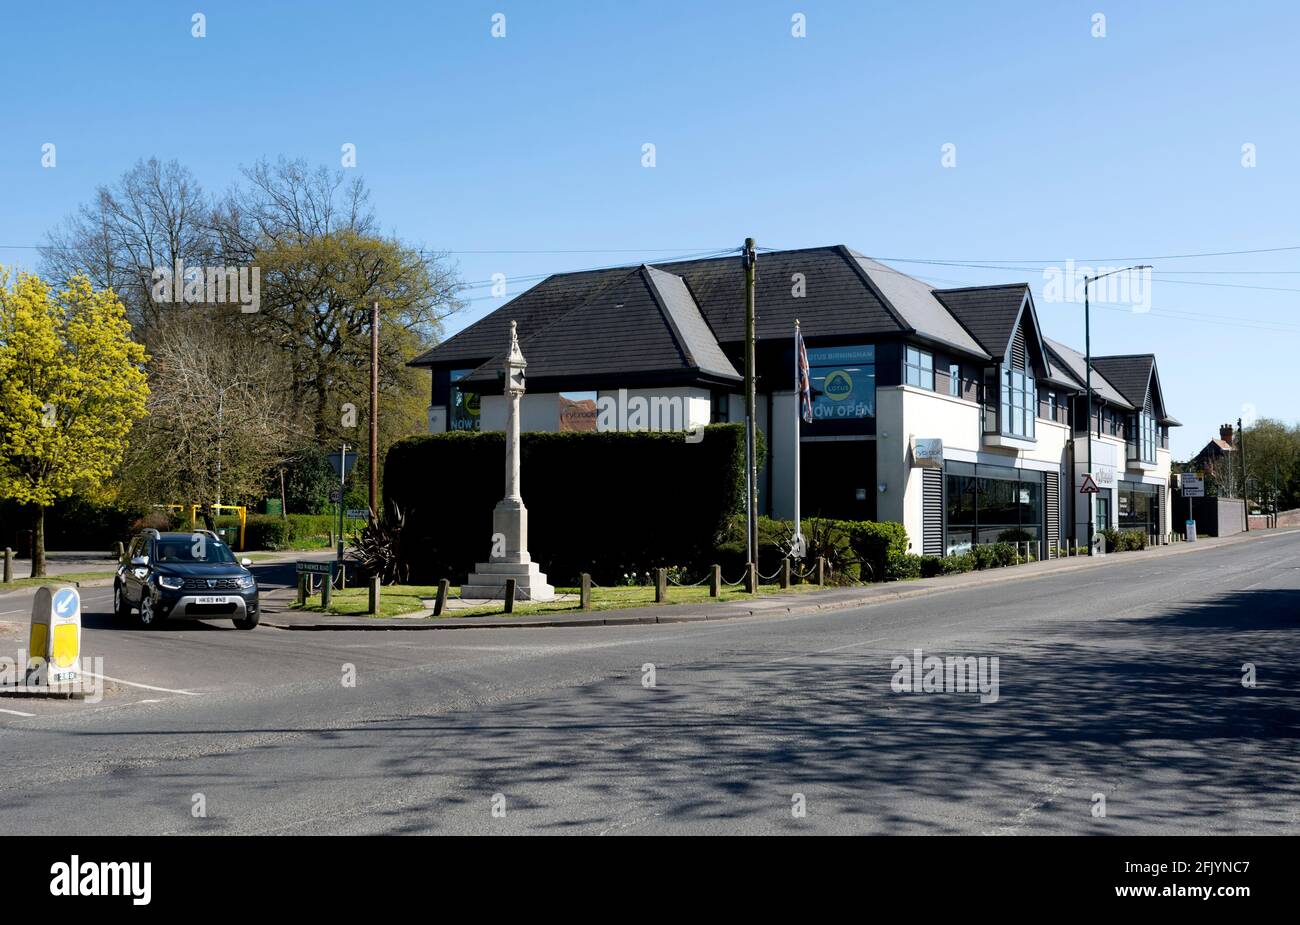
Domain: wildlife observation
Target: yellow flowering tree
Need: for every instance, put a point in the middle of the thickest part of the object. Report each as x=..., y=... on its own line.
x=72, y=385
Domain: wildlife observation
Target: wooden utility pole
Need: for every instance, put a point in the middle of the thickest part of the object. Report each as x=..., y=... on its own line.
x=374, y=410
x=1245, y=480
x=751, y=422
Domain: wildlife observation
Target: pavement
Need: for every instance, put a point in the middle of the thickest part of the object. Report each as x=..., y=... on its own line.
x=277, y=612
x=1120, y=685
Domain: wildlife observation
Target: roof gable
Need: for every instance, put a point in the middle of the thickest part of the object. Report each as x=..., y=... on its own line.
x=1073, y=362
x=646, y=322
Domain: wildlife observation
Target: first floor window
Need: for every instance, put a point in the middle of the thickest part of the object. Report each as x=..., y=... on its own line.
x=918, y=368
x=954, y=380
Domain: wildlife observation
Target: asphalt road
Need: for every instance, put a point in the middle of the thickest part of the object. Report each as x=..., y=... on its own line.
x=1122, y=681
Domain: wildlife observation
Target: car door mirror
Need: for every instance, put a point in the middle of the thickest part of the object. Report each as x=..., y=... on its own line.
x=245, y=562
x=140, y=561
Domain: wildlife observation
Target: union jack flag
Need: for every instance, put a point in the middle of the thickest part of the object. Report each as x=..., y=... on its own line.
x=802, y=378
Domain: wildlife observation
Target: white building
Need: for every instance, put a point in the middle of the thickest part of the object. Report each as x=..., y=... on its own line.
x=943, y=409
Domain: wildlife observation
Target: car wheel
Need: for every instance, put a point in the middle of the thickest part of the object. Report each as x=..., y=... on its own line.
x=121, y=606
x=148, y=617
x=245, y=623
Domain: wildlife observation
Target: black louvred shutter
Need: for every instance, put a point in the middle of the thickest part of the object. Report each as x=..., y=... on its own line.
x=1053, y=492
x=1018, y=360
x=932, y=512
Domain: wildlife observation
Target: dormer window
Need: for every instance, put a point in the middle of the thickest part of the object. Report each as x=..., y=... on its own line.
x=1143, y=437
x=1019, y=403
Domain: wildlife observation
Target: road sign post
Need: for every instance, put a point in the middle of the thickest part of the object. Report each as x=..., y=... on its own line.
x=54, y=646
x=325, y=570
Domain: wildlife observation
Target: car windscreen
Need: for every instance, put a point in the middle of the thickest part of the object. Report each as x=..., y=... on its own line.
x=196, y=549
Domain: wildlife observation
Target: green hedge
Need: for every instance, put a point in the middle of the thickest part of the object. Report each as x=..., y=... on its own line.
x=297, y=531
x=604, y=503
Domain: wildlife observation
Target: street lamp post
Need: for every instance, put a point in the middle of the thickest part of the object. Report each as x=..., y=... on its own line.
x=1087, y=363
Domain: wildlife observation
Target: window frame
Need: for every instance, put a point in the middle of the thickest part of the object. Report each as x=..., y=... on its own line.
x=924, y=367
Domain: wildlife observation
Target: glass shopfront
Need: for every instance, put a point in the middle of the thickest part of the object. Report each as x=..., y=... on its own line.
x=991, y=504
x=1139, y=508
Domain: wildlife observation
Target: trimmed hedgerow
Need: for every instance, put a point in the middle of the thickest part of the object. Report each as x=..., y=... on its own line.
x=604, y=503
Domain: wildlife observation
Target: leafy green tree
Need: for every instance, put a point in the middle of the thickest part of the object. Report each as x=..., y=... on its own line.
x=71, y=388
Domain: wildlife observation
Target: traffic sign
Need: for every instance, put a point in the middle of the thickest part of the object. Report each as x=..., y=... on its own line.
x=54, y=645
x=1192, y=486
x=336, y=495
x=1089, y=486
x=358, y=513
x=338, y=461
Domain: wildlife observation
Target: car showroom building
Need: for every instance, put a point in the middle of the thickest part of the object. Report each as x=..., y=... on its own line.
x=943, y=409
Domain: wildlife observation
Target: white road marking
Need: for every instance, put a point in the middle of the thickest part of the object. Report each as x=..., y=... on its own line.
x=147, y=687
x=16, y=712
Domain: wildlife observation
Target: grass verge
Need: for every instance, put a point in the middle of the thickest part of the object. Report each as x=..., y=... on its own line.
x=19, y=583
x=398, y=600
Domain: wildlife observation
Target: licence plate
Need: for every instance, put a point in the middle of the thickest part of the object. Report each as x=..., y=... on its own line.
x=211, y=599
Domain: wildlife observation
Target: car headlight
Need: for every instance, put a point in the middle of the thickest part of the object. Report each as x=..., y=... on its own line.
x=247, y=581
x=174, y=584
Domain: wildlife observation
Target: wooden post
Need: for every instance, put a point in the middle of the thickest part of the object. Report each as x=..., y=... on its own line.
x=751, y=578
x=302, y=589
x=661, y=585
x=715, y=580
x=440, y=602
x=785, y=573
x=343, y=575
x=584, y=592
x=9, y=565
x=374, y=594
x=326, y=588
x=821, y=571
x=510, y=595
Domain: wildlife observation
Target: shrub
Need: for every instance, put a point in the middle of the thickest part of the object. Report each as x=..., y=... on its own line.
x=956, y=565
x=1112, y=538
x=902, y=566
x=1015, y=535
x=1004, y=554
x=931, y=566
x=876, y=545
x=830, y=539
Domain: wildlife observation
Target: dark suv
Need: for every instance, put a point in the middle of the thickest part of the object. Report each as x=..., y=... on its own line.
x=184, y=576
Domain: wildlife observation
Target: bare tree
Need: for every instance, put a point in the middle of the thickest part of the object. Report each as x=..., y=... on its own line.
x=219, y=417
x=155, y=214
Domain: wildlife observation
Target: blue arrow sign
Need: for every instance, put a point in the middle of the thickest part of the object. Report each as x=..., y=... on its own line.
x=65, y=602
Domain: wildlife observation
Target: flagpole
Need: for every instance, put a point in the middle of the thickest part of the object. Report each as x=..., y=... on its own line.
x=798, y=413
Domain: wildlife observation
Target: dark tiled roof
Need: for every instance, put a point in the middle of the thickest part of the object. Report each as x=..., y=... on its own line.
x=1131, y=375
x=1073, y=362
x=916, y=304
x=988, y=312
x=534, y=310
x=646, y=322
x=836, y=302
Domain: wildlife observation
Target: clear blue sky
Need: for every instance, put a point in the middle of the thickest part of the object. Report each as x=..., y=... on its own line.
x=1068, y=146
